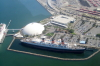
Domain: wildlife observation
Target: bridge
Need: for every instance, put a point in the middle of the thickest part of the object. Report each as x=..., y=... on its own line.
x=10, y=34
x=14, y=29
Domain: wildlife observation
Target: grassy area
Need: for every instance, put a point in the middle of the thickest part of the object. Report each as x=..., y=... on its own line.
x=49, y=34
x=44, y=21
x=56, y=27
x=73, y=33
x=44, y=31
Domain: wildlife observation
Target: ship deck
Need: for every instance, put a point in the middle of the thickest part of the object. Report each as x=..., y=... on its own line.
x=48, y=43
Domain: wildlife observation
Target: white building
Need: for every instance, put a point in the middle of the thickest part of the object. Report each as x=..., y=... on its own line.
x=62, y=20
x=32, y=29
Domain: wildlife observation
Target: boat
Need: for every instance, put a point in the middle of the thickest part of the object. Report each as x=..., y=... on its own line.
x=2, y=31
x=52, y=45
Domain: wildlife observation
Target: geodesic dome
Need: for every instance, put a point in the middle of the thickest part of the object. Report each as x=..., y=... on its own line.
x=32, y=29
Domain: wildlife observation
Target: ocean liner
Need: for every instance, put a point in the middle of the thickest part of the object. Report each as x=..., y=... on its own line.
x=2, y=31
x=32, y=38
x=52, y=45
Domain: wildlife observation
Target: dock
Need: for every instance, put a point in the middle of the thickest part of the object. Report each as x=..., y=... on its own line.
x=8, y=23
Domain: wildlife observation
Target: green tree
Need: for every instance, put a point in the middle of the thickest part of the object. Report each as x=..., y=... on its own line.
x=98, y=35
x=94, y=25
x=71, y=30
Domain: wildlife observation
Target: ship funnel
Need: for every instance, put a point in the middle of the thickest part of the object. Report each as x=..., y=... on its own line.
x=52, y=40
x=62, y=41
x=43, y=39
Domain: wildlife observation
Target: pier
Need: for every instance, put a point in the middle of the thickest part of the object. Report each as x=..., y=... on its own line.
x=8, y=23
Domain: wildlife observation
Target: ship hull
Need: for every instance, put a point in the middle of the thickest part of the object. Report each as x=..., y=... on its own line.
x=53, y=49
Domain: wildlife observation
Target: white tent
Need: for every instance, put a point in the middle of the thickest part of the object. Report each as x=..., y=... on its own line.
x=32, y=29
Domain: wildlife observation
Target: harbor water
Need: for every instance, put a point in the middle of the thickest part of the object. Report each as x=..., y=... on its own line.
x=22, y=12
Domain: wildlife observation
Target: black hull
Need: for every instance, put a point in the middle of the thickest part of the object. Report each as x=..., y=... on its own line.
x=54, y=49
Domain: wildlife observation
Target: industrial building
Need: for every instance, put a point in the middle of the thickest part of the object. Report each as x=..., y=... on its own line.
x=62, y=20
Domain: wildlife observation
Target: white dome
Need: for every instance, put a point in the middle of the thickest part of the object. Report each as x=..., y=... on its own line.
x=32, y=29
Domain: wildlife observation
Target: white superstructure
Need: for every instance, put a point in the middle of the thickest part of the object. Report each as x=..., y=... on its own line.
x=2, y=31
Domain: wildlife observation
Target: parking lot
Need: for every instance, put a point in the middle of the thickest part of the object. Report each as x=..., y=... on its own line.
x=83, y=26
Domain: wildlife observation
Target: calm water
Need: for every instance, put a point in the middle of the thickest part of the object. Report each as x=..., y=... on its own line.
x=22, y=12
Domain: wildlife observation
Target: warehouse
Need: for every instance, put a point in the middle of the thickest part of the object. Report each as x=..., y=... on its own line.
x=62, y=20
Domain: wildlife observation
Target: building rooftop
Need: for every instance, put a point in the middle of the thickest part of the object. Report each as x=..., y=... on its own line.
x=82, y=42
x=63, y=19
